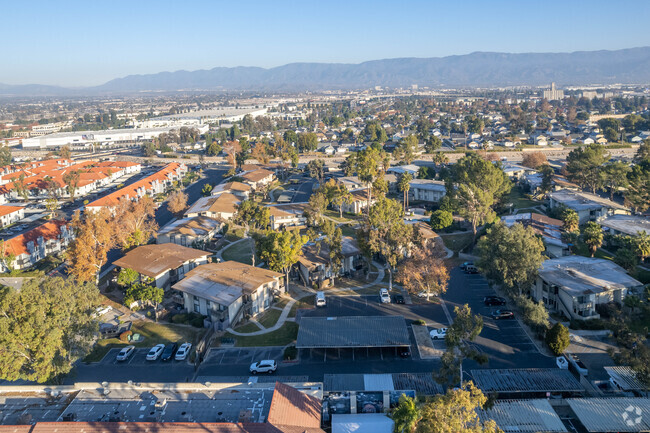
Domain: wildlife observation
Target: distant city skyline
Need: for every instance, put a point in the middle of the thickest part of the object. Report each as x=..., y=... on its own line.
x=74, y=43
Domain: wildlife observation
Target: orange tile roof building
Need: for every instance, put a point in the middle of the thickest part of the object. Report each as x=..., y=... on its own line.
x=151, y=185
x=38, y=243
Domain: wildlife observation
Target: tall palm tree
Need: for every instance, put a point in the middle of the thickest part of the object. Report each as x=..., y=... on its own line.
x=404, y=186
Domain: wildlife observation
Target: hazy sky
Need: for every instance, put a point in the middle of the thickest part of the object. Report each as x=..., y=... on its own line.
x=80, y=43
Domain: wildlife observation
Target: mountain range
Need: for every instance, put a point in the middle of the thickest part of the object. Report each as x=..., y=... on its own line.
x=479, y=69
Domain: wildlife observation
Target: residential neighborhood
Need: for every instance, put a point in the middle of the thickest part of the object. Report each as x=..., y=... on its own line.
x=412, y=245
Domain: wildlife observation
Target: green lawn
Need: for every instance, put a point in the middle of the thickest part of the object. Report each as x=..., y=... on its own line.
x=249, y=327
x=153, y=333
x=306, y=302
x=457, y=242
x=281, y=337
x=269, y=318
x=348, y=230
x=239, y=252
x=519, y=200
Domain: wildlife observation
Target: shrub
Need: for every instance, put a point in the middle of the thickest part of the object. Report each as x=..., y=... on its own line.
x=196, y=320
x=441, y=219
x=557, y=338
x=124, y=336
x=290, y=353
x=180, y=318
x=420, y=322
x=533, y=313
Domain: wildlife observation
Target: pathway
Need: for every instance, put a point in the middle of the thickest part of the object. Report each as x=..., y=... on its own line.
x=219, y=253
x=284, y=317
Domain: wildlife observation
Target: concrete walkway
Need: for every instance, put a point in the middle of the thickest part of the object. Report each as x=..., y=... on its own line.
x=284, y=316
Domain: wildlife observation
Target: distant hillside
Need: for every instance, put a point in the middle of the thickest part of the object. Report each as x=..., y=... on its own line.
x=629, y=66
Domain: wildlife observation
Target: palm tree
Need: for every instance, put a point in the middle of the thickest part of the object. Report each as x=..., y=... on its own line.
x=404, y=186
x=642, y=245
x=406, y=415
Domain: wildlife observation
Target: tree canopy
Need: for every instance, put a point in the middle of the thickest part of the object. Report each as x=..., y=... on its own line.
x=584, y=165
x=45, y=327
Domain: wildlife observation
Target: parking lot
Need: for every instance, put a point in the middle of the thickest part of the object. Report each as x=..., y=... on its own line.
x=500, y=339
x=139, y=357
x=242, y=355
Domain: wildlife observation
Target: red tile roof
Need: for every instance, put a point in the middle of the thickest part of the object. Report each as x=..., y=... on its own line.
x=6, y=209
x=290, y=407
x=18, y=244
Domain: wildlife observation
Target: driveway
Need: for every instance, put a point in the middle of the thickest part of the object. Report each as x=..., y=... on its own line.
x=242, y=355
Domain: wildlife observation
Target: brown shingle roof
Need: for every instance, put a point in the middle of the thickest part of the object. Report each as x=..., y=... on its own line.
x=152, y=260
x=290, y=407
x=257, y=175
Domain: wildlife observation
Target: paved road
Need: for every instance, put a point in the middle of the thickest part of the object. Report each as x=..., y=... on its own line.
x=303, y=192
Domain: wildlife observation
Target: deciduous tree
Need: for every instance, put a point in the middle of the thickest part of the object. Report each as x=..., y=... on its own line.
x=615, y=176
x=95, y=236
x=441, y=219
x=511, y=255
x=557, y=338
x=177, y=203
x=45, y=327
x=424, y=271
x=406, y=415
x=281, y=250
x=136, y=222
x=406, y=149
x=534, y=159
x=584, y=165
x=71, y=180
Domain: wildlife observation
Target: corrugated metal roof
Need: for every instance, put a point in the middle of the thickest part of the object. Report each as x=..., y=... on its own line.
x=612, y=414
x=343, y=382
x=526, y=380
x=378, y=382
x=625, y=377
x=524, y=416
x=352, y=331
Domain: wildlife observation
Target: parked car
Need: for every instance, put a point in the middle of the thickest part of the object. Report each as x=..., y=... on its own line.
x=320, y=299
x=503, y=314
x=494, y=300
x=398, y=299
x=183, y=351
x=264, y=366
x=438, y=334
x=384, y=296
x=562, y=362
x=125, y=353
x=169, y=351
x=155, y=352
x=465, y=265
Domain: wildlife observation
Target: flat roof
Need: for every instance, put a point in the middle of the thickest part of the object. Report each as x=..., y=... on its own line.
x=629, y=224
x=526, y=380
x=580, y=275
x=617, y=414
x=352, y=332
x=196, y=226
x=579, y=200
x=362, y=423
x=421, y=383
x=532, y=416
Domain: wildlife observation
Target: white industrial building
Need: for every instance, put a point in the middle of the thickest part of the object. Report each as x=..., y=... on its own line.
x=104, y=137
x=201, y=117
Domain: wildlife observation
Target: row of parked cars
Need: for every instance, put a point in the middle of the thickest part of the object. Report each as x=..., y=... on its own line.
x=162, y=351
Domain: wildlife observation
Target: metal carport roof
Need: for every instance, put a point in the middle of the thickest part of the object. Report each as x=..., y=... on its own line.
x=352, y=332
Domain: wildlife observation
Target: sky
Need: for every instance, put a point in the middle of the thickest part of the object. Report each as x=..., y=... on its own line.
x=84, y=43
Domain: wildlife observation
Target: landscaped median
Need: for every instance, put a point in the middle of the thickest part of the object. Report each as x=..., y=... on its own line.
x=152, y=334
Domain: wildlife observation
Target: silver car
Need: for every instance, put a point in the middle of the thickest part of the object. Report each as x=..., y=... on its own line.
x=125, y=353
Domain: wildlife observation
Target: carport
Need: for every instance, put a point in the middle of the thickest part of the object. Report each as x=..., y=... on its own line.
x=353, y=332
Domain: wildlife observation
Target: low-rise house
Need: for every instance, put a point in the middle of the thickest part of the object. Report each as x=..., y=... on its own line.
x=228, y=291
x=550, y=229
x=516, y=172
x=287, y=215
x=575, y=285
x=628, y=225
x=314, y=264
x=189, y=232
x=11, y=214
x=412, y=169
x=238, y=189
x=36, y=244
x=258, y=178
x=222, y=206
x=165, y=264
x=589, y=207
x=427, y=190
x=358, y=203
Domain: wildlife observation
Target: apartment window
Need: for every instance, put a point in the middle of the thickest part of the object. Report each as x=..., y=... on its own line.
x=197, y=306
x=208, y=305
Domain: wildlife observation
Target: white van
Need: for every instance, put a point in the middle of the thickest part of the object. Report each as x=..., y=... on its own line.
x=320, y=299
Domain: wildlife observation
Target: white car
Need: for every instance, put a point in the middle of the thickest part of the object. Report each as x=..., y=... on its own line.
x=265, y=366
x=100, y=311
x=125, y=353
x=438, y=334
x=155, y=352
x=183, y=351
x=384, y=296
